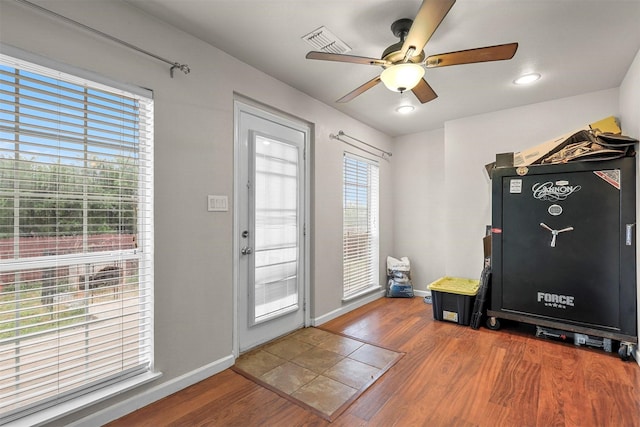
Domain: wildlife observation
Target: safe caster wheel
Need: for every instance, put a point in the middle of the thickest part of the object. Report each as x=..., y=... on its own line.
x=493, y=323
x=624, y=351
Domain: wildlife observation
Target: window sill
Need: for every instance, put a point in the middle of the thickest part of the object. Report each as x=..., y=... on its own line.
x=84, y=401
x=362, y=293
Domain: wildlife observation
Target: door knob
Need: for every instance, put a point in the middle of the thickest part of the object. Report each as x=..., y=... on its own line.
x=246, y=250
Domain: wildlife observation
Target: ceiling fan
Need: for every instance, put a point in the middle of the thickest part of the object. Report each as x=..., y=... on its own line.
x=404, y=62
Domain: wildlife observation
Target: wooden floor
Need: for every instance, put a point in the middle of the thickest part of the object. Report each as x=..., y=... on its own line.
x=450, y=376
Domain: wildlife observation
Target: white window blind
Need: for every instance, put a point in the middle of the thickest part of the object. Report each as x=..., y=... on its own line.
x=76, y=236
x=276, y=216
x=360, y=225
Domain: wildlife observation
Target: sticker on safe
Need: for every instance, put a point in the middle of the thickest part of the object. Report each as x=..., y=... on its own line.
x=515, y=186
x=611, y=176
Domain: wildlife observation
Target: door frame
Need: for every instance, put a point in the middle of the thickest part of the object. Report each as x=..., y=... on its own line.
x=242, y=104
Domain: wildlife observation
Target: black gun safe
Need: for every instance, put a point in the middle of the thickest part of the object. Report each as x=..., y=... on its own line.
x=563, y=248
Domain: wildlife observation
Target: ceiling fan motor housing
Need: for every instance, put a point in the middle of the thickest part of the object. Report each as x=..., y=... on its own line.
x=393, y=53
x=401, y=27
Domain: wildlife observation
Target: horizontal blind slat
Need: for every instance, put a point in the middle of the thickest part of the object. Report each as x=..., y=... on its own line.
x=82, y=104
x=96, y=120
x=30, y=77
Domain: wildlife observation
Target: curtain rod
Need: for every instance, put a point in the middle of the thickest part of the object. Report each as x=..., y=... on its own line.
x=182, y=67
x=332, y=136
x=341, y=133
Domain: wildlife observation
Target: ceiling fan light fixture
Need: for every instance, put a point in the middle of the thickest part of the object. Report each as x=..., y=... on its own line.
x=527, y=79
x=402, y=77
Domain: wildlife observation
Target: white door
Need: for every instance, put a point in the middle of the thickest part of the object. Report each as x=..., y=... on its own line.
x=270, y=222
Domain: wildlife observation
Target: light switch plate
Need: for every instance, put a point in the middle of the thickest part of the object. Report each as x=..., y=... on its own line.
x=217, y=203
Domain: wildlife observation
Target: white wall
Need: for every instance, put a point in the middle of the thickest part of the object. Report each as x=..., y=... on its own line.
x=630, y=100
x=630, y=122
x=419, y=182
x=472, y=142
x=193, y=158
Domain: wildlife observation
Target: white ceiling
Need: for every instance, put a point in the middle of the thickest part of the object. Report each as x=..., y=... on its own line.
x=578, y=46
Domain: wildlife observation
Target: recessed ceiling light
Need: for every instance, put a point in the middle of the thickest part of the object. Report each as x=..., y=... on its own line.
x=527, y=79
x=405, y=109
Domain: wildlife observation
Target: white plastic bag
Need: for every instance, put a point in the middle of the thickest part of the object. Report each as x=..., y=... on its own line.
x=394, y=264
x=399, y=278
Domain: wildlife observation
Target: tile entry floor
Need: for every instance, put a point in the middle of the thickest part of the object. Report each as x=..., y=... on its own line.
x=320, y=370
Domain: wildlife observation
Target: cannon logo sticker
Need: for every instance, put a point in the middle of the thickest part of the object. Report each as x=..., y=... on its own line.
x=553, y=191
x=610, y=176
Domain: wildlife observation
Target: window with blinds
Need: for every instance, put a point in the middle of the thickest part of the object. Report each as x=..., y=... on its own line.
x=360, y=225
x=76, y=236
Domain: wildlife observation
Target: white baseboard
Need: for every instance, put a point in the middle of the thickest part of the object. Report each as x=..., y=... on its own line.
x=421, y=293
x=155, y=393
x=317, y=321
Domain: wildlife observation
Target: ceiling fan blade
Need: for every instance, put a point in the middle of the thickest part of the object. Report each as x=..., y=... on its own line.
x=470, y=56
x=424, y=92
x=324, y=56
x=360, y=90
x=430, y=15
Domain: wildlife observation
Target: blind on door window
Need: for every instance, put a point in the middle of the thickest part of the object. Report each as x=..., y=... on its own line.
x=275, y=205
x=76, y=236
x=360, y=225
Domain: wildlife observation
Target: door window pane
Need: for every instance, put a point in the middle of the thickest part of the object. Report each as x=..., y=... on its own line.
x=276, y=228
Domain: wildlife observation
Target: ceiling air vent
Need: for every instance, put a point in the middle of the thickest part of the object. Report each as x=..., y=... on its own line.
x=324, y=41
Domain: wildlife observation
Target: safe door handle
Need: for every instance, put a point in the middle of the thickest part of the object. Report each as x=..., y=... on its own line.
x=246, y=250
x=629, y=234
